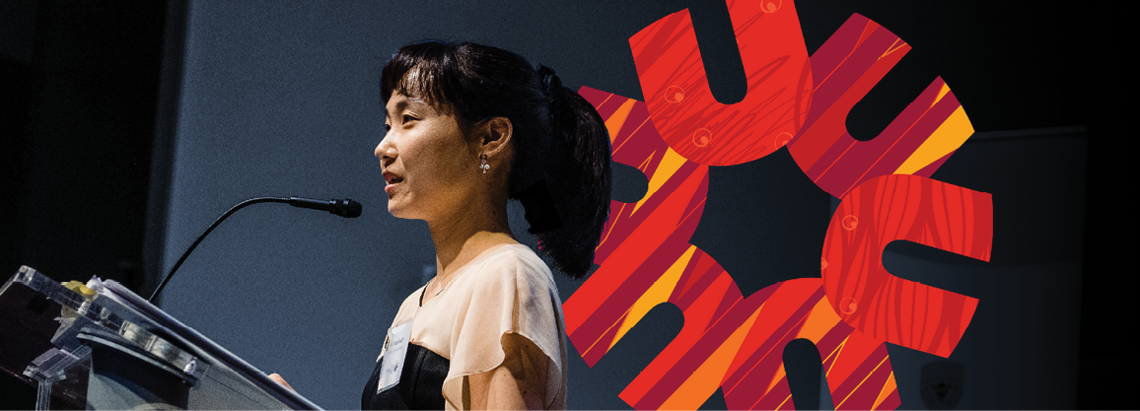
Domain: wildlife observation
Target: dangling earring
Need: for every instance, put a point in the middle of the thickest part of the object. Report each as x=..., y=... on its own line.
x=483, y=163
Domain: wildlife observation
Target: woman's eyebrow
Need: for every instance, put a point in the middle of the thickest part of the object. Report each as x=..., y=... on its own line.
x=400, y=105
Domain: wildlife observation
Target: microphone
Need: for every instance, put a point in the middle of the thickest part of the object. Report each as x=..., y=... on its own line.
x=345, y=208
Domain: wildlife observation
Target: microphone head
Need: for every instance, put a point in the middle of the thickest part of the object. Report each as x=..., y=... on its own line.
x=346, y=208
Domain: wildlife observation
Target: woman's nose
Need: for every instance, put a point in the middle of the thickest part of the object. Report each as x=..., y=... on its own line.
x=385, y=151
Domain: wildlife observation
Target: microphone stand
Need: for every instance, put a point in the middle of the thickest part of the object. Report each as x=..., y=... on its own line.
x=345, y=208
x=208, y=230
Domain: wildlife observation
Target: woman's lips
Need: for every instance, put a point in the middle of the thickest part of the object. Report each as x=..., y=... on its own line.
x=392, y=180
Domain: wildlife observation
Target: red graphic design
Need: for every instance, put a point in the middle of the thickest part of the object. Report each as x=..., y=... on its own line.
x=645, y=238
x=734, y=342
x=912, y=208
x=676, y=88
x=917, y=142
x=728, y=340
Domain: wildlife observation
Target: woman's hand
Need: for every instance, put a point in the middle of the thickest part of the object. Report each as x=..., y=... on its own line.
x=519, y=383
x=276, y=377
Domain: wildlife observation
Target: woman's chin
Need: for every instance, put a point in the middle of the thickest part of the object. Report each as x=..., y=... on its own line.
x=399, y=212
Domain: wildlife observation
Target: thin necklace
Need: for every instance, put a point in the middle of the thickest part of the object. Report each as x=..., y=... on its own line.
x=441, y=288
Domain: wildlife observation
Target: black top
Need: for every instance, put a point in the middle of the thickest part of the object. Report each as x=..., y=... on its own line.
x=420, y=386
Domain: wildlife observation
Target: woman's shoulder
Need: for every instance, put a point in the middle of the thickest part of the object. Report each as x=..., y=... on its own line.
x=512, y=261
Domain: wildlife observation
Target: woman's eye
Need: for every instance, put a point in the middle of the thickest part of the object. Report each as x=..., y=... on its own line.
x=408, y=118
x=387, y=127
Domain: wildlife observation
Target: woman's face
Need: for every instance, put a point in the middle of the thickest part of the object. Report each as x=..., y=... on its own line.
x=427, y=162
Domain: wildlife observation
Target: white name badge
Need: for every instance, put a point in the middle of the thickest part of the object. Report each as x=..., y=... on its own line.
x=392, y=357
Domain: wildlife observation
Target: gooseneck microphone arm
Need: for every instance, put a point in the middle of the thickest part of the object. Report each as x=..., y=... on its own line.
x=344, y=208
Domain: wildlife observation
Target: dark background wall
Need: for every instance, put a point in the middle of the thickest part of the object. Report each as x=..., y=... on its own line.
x=129, y=126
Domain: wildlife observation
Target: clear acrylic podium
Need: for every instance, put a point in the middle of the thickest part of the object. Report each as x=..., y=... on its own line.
x=111, y=349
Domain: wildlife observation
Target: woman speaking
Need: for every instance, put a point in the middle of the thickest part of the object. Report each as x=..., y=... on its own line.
x=469, y=127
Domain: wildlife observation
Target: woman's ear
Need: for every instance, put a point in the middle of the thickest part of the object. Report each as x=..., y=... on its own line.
x=497, y=135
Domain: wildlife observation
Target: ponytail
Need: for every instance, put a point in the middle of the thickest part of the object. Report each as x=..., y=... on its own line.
x=581, y=185
x=560, y=170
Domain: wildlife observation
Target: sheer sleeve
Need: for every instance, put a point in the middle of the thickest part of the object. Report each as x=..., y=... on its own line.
x=509, y=294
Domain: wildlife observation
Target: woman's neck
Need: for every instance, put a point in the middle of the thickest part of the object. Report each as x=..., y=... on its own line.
x=466, y=235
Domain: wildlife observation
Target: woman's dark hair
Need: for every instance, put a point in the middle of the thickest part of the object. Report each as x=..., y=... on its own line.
x=560, y=169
